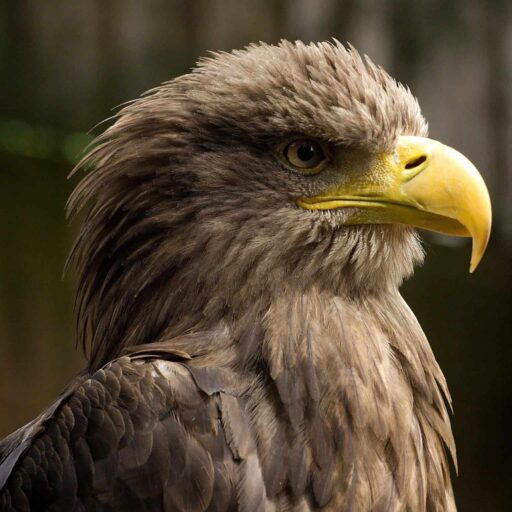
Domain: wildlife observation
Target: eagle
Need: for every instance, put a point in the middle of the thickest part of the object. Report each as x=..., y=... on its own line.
x=245, y=231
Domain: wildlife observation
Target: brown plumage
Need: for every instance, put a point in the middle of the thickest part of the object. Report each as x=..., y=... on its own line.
x=244, y=353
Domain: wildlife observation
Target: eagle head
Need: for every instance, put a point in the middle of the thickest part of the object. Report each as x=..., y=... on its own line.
x=274, y=168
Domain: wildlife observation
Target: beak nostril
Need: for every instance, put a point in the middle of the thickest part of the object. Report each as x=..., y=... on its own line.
x=415, y=162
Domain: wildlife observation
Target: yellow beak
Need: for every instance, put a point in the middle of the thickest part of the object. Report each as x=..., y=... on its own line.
x=424, y=184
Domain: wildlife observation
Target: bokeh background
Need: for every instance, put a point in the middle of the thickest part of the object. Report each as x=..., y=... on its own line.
x=65, y=65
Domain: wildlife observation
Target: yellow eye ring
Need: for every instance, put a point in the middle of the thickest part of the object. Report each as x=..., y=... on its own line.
x=305, y=155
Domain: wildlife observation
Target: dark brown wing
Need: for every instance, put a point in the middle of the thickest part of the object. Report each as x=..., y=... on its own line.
x=140, y=434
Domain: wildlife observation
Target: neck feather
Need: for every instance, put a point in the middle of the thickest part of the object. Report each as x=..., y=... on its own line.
x=356, y=396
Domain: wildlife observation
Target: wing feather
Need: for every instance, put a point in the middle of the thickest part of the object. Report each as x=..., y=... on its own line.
x=139, y=434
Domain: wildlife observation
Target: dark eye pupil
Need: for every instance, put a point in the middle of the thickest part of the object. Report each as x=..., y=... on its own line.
x=306, y=152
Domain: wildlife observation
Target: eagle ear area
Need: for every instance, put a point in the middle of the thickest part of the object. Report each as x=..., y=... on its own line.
x=306, y=155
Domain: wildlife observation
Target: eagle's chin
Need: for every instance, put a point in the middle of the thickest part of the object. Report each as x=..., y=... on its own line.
x=383, y=255
x=365, y=258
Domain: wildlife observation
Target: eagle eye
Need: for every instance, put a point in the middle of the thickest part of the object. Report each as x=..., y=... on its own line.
x=305, y=155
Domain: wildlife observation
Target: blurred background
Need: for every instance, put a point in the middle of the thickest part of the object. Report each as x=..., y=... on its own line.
x=65, y=65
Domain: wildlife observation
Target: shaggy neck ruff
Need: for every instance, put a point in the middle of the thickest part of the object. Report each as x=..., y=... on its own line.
x=360, y=398
x=359, y=375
